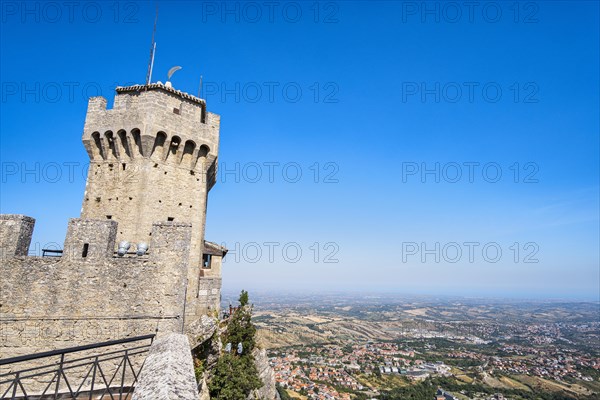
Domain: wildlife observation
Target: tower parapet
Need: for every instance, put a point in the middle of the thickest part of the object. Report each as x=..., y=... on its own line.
x=154, y=122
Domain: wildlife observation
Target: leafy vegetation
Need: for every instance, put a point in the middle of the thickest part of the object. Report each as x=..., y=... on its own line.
x=198, y=369
x=243, y=299
x=235, y=376
x=420, y=391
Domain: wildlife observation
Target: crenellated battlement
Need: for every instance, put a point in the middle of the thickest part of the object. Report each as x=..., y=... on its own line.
x=153, y=122
x=95, y=240
x=16, y=231
x=91, y=294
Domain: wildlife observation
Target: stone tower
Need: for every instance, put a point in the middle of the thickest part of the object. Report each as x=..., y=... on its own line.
x=153, y=158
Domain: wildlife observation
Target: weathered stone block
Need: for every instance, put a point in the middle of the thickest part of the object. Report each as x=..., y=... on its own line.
x=168, y=371
x=15, y=235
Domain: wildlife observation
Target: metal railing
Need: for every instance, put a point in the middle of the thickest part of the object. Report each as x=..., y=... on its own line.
x=100, y=373
x=52, y=251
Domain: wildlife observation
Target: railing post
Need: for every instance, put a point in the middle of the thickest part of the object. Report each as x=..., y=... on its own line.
x=123, y=374
x=14, y=395
x=93, y=377
x=59, y=372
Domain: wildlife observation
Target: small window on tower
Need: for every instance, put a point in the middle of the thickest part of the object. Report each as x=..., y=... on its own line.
x=176, y=111
x=206, y=258
x=109, y=217
x=170, y=219
x=84, y=253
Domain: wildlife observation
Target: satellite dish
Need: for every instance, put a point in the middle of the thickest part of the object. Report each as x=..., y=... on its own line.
x=172, y=71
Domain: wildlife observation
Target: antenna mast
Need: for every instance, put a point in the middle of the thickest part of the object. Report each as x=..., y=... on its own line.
x=152, y=50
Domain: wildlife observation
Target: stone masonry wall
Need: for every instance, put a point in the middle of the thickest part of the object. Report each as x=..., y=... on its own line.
x=49, y=303
x=209, y=293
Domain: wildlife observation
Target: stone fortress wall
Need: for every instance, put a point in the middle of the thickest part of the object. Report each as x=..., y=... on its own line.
x=90, y=295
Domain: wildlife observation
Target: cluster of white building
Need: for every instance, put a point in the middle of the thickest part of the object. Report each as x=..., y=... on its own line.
x=421, y=371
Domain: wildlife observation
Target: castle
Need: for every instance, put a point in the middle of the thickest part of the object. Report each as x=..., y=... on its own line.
x=136, y=261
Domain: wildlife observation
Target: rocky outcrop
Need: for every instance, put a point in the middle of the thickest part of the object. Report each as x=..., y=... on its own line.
x=202, y=329
x=206, y=343
x=204, y=393
x=268, y=391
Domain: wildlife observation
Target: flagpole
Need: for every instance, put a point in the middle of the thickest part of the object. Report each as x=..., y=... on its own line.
x=152, y=50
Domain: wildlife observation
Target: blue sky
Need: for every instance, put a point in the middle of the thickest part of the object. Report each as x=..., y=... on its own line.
x=499, y=103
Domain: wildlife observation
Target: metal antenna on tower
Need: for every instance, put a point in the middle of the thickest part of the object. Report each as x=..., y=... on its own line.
x=200, y=88
x=152, y=50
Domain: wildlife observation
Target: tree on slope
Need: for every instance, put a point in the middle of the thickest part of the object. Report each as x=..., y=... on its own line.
x=235, y=375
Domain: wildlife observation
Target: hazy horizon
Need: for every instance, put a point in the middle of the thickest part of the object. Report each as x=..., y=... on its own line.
x=231, y=294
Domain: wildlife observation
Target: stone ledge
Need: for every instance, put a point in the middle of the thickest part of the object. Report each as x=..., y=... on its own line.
x=168, y=371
